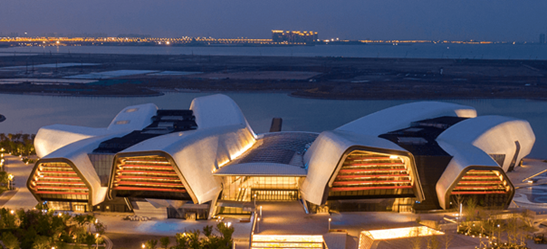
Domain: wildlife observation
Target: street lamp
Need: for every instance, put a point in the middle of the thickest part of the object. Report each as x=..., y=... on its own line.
x=10, y=181
x=329, y=223
x=143, y=246
x=255, y=200
x=97, y=240
x=258, y=225
x=260, y=211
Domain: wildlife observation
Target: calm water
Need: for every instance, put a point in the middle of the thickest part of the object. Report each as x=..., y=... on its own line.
x=27, y=113
x=452, y=51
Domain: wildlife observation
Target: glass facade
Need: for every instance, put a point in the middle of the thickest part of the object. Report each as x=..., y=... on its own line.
x=150, y=176
x=488, y=187
x=245, y=188
x=103, y=166
x=371, y=175
x=57, y=181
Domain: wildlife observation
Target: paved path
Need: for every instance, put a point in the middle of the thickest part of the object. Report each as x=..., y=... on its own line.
x=21, y=171
x=6, y=196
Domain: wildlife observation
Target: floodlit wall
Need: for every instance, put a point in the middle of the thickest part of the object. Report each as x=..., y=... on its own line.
x=75, y=154
x=145, y=176
x=58, y=180
x=326, y=155
x=368, y=174
x=198, y=154
x=466, y=157
x=222, y=135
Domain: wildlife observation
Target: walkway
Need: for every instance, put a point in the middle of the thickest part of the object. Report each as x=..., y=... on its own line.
x=21, y=198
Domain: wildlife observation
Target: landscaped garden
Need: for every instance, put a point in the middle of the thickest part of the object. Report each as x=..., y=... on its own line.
x=45, y=229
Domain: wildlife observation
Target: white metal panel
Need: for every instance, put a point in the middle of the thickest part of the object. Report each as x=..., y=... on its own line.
x=199, y=153
x=325, y=154
x=134, y=117
x=464, y=156
x=493, y=135
x=52, y=137
x=217, y=110
x=77, y=154
x=399, y=117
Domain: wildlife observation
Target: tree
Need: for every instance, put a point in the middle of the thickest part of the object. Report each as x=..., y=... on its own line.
x=151, y=244
x=41, y=242
x=447, y=239
x=416, y=241
x=433, y=242
x=164, y=242
x=10, y=241
x=90, y=240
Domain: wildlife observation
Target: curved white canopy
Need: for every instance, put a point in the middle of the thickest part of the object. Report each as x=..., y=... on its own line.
x=400, y=116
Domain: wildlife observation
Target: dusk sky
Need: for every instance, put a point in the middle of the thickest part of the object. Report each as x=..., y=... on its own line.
x=498, y=20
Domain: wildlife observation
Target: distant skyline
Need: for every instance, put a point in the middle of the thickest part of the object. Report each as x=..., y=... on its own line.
x=493, y=20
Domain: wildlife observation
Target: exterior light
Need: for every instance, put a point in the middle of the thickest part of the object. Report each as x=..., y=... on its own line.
x=330, y=219
x=11, y=212
x=143, y=246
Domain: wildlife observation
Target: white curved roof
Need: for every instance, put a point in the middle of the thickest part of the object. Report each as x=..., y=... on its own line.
x=133, y=118
x=324, y=155
x=52, y=137
x=77, y=154
x=222, y=135
x=217, y=110
x=464, y=156
x=199, y=153
x=493, y=135
x=400, y=116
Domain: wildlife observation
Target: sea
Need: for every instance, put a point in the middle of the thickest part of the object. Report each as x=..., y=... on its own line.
x=27, y=113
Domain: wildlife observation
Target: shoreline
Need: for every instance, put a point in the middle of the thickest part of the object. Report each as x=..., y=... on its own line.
x=335, y=78
x=290, y=94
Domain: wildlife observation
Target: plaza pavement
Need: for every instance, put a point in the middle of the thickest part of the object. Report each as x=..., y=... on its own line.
x=21, y=197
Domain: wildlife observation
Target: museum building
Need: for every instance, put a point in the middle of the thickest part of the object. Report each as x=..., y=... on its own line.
x=207, y=161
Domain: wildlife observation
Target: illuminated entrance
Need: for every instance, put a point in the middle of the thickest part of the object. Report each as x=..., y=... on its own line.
x=247, y=188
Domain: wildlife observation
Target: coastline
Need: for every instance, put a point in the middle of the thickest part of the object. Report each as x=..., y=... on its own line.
x=337, y=78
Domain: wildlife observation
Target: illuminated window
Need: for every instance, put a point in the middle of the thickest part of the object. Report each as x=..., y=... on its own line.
x=489, y=186
x=121, y=122
x=147, y=176
x=132, y=110
x=367, y=238
x=287, y=241
x=373, y=174
x=58, y=181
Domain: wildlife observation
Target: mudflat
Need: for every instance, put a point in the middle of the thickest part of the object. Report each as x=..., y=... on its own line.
x=310, y=77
